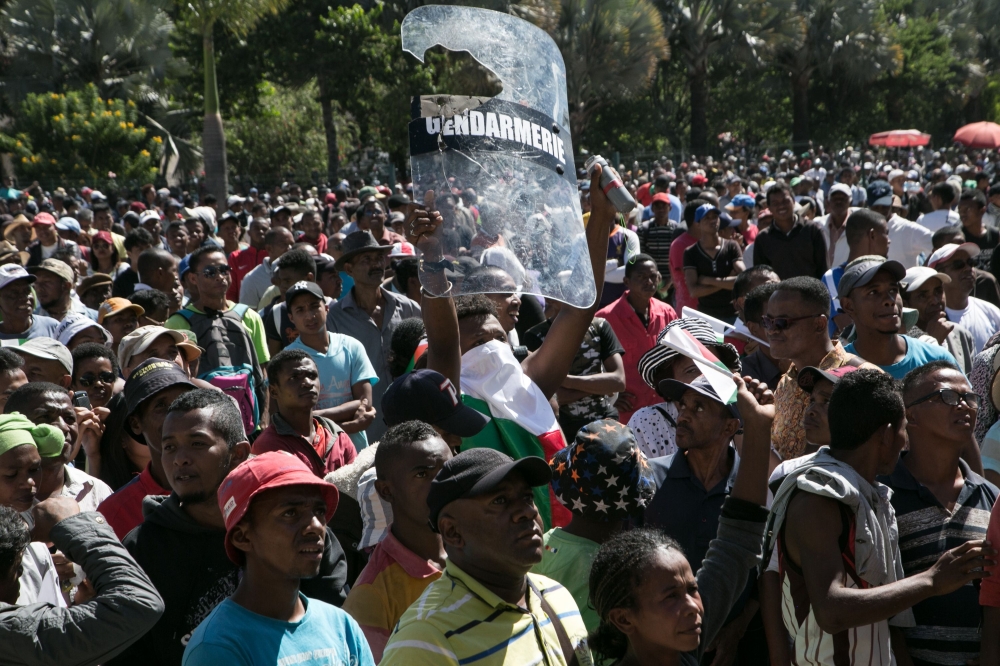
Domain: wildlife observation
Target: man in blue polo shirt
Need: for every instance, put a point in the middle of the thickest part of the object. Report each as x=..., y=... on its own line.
x=940, y=503
x=870, y=293
x=346, y=374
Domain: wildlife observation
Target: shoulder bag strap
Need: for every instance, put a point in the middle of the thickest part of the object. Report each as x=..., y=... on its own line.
x=569, y=654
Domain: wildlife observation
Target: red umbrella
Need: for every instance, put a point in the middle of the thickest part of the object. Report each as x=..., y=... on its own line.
x=900, y=138
x=979, y=135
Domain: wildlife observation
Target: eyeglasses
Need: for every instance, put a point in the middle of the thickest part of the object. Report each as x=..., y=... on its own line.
x=212, y=271
x=959, y=264
x=951, y=398
x=90, y=379
x=783, y=323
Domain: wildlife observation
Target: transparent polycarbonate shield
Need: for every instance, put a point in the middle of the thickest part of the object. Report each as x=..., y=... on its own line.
x=514, y=150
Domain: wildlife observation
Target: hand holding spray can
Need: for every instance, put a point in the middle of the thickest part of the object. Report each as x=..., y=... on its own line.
x=612, y=185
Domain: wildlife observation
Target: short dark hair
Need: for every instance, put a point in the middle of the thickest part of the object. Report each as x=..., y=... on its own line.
x=21, y=399
x=280, y=362
x=741, y=286
x=10, y=360
x=138, y=238
x=690, y=208
x=405, y=340
x=14, y=538
x=152, y=259
x=485, y=279
x=297, y=260
x=632, y=265
x=150, y=300
x=860, y=222
x=474, y=305
x=944, y=235
x=209, y=199
x=195, y=258
x=974, y=194
x=914, y=377
x=226, y=417
x=756, y=301
x=809, y=289
x=945, y=191
x=862, y=402
x=395, y=440
x=93, y=350
x=406, y=268
x=780, y=186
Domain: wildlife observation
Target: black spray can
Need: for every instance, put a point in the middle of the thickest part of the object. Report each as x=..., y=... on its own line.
x=612, y=185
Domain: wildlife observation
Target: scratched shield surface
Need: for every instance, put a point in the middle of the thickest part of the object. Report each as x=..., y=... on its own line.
x=514, y=150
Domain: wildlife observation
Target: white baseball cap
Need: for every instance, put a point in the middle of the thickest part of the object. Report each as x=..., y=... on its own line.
x=946, y=252
x=916, y=277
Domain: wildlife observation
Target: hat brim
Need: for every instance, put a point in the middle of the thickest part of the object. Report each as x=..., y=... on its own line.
x=331, y=496
x=672, y=389
x=535, y=470
x=809, y=376
x=893, y=267
x=349, y=256
x=464, y=422
x=137, y=309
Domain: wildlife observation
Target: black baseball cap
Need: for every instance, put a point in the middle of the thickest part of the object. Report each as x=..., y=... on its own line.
x=149, y=378
x=672, y=389
x=477, y=471
x=429, y=396
x=304, y=287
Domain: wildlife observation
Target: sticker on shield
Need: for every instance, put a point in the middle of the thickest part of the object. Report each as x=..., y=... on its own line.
x=525, y=233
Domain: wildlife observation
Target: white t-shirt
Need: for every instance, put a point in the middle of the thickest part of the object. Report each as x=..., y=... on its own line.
x=980, y=318
x=938, y=218
x=908, y=241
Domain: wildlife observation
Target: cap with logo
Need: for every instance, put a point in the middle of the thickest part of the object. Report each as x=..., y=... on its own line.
x=403, y=249
x=879, y=193
x=477, y=471
x=429, y=396
x=12, y=273
x=274, y=469
x=704, y=210
x=116, y=306
x=941, y=255
x=861, y=273
x=75, y=322
x=152, y=376
x=304, y=287
x=49, y=350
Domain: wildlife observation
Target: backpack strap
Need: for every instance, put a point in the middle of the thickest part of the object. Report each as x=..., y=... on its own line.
x=187, y=314
x=240, y=309
x=569, y=654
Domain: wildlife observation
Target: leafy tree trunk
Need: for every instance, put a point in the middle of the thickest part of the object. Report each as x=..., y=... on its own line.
x=699, y=108
x=800, y=108
x=332, y=150
x=213, y=139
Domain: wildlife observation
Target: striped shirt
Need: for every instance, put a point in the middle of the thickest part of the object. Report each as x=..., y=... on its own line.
x=457, y=620
x=947, y=627
x=655, y=241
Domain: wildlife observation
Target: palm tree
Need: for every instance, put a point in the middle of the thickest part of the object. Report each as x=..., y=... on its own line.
x=827, y=36
x=611, y=49
x=702, y=28
x=117, y=45
x=238, y=16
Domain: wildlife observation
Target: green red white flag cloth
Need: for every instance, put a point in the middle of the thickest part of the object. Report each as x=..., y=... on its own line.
x=521, y=419
x=715, y=371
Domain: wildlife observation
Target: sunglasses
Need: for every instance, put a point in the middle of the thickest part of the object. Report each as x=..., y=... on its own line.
x=951, y=398
x=959, y=264
x=212, y=271
x=90, y=379
x=783, y=323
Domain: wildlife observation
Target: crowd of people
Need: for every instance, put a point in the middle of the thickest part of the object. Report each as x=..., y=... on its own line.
x=338, y=426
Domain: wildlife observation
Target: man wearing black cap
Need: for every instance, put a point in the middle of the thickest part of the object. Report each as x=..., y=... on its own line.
x=150, y=389
x=369, y=312
x=430, y=397
x=869, y=293
x=486, y=604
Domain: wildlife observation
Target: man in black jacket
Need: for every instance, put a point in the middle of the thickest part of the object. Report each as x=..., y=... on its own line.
x=181, y=544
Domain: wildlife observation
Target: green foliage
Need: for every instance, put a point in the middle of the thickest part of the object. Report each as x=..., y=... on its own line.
x=285, y=137
x=80, y=136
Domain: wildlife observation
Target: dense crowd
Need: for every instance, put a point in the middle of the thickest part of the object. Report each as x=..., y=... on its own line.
x=335, y=426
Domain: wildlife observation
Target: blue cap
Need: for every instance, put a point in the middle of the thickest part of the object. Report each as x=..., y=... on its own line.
x=878, y=191
x=742, y=201
x=704, y=210
x=68, y=224
x=183, y=267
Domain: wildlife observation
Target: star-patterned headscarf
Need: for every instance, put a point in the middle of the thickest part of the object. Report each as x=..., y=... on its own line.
x=602, y=476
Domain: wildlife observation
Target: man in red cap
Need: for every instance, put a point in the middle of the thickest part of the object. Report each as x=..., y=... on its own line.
x=275, y=513
x=656, y=235
x=48, y=242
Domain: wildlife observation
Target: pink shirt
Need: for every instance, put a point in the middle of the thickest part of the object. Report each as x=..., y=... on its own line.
x=637, y=339
x=681, y=295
